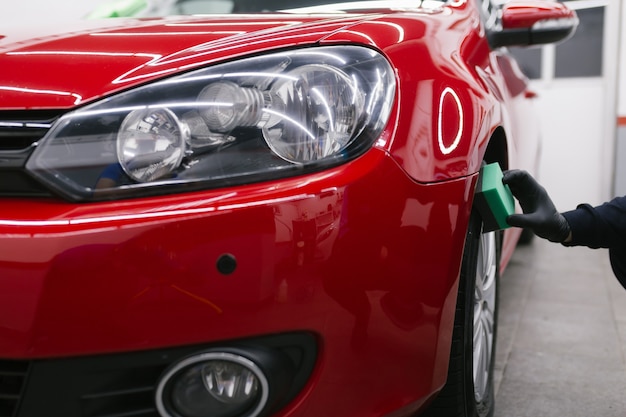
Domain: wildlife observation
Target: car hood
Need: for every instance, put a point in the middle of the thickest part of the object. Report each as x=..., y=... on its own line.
x=50, y=69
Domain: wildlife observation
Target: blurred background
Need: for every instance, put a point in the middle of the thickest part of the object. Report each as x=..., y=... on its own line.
x=36, y=12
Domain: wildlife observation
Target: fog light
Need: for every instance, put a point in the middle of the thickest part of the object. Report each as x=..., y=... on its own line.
x=213, y=384
x=230, y=382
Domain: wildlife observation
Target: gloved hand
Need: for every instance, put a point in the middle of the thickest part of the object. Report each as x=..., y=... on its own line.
x=540, y=215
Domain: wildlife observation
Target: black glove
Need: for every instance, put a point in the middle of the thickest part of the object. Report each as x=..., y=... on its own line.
x=540, y=215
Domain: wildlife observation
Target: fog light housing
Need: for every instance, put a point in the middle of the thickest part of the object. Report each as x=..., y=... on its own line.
x=236, y=382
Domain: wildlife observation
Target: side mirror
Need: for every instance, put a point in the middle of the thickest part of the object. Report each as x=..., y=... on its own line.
x=533, y=22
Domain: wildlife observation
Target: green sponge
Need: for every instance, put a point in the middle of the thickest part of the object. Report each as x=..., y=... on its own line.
x=493, y=199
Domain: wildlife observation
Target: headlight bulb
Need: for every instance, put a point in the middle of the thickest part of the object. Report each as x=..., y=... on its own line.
x=224, y=106
x=307, y=114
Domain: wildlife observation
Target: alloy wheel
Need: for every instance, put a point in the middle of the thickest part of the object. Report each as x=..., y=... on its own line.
x=484, y=313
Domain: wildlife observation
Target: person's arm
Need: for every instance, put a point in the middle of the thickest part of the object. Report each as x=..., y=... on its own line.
x=596, y=227
x=603, y=226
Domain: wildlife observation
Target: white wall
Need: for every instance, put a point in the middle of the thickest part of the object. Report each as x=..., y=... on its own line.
x=573, y=166
x=621, y=105
x=34, y=12
x=620, y=148
x=584, y=154
x=579, y=122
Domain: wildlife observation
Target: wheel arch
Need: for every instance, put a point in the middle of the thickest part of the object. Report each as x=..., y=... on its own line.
x=497, y=149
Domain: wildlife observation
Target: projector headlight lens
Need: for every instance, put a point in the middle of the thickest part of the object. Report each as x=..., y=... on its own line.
x=151, y=144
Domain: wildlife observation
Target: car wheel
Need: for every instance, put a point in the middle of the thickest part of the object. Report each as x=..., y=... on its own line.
x=469, y=390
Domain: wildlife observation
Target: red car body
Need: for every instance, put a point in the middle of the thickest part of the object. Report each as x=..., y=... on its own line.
x=363, y=256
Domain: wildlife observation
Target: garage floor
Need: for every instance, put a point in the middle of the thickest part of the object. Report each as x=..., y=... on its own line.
x=561, y=335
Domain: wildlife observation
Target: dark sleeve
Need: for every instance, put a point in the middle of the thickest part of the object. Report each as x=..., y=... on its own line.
x=599, y=227
x=618, y=263
x=602, y=227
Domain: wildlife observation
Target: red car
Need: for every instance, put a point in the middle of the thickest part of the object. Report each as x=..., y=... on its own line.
x=259, y=214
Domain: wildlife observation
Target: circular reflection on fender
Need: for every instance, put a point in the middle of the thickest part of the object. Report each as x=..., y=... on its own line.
x=450, y=108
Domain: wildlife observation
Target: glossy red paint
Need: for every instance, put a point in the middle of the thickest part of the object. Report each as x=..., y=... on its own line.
x=416, y=141
x=487, y=87
x=365, y=255
x=525, y=13
x=106, y=277
x=122, y=56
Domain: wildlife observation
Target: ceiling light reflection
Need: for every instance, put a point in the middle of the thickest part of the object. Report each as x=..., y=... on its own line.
x=144, y=34
x=290, y=120
x=77, y=97
x=237, y=23
x=87, y=53
x=447, y=149
x=151, y=215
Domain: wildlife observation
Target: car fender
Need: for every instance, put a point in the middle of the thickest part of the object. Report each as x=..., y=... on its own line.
x=447, y=97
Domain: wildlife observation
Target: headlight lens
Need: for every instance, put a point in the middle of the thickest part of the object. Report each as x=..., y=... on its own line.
x=250, y=120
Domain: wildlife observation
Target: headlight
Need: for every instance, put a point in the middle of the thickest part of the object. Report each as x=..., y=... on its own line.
x=251, y=120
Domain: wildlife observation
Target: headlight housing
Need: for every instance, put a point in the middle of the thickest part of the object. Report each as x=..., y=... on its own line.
x=245, y=121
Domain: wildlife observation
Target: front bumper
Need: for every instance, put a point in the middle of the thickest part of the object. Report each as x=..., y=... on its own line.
x=123, y=384
x=360, y=256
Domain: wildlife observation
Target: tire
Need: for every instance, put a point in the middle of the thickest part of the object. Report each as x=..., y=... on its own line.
x=469, y=389
x=526, y=238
